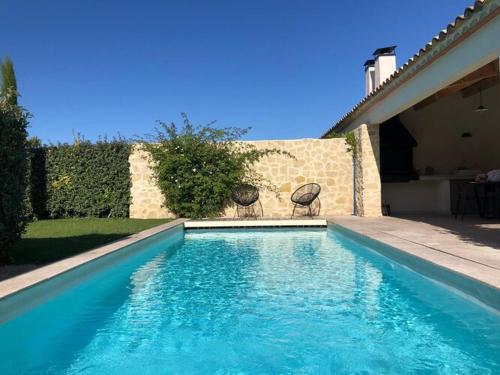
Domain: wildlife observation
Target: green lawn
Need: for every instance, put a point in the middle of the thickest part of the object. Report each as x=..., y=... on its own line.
x=50, y=240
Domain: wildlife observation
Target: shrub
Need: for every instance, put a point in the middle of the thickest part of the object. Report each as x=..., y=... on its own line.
x=13, y=124
x=198, y=167
x=86, y=179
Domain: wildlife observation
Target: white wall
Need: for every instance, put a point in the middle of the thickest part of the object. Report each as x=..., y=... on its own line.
x=428, y=196
x=438, y=128
x=385, y=65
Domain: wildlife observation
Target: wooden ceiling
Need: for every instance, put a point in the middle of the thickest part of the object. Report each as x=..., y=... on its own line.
x=483, y=78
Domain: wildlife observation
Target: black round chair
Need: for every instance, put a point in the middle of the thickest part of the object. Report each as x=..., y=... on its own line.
x=245, y=197
x=305, y=195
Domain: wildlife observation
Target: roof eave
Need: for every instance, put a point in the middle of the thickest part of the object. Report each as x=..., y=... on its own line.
x=394, y=80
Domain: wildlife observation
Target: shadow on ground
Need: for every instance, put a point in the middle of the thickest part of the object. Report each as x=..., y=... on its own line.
x=474, y=230
x=31, y=253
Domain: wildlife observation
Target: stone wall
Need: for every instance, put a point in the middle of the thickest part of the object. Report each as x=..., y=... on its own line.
x=324, y=161
x=147, y=199
x=368, y=185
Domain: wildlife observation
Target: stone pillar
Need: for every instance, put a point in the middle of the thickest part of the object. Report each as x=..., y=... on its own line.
x=367, y=169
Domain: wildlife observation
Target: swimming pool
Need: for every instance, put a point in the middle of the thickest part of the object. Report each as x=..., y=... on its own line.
x=247, y=301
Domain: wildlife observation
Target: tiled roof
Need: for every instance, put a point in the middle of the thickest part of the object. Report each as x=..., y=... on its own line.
x=438, y=39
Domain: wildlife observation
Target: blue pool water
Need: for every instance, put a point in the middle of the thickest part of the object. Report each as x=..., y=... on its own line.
x=261, y=301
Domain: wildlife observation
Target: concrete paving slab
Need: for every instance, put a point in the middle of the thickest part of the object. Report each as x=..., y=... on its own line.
x=470, y=248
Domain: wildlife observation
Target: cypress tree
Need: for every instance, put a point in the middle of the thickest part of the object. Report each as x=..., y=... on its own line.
x=9, y=82
x=13, y=162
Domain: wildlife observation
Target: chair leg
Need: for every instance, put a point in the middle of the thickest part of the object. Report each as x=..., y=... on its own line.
x=463, y=206
x=293, y=212
x=310, y=212
x=457, y=207
x=497, y=201
x=479, y=204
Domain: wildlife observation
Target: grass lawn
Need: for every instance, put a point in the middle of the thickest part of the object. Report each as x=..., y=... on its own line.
x=50, y=240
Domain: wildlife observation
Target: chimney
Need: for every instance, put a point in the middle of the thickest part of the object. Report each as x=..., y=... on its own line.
x=369, y=76
x=385, y=64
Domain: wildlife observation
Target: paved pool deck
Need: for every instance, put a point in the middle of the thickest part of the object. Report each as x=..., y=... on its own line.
x=470, y=247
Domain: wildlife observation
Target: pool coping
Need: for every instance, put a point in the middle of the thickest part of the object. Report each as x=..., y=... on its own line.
x=449, y=269
x=29, y=279
x=260, y=223
x=444, y=262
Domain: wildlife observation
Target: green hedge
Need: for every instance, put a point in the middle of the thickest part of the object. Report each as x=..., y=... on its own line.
x=86, y=179
x=36, y=190
x=83, y=179
x=13, y=158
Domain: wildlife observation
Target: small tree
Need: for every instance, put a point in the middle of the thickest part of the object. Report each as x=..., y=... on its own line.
x=13, y=160
x=198, y=167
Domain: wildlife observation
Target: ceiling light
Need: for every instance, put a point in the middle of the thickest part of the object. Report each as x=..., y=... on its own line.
x=481, y=107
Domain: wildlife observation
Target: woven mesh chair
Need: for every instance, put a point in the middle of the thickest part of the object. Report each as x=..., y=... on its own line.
x=304, y=196
x=246, y=198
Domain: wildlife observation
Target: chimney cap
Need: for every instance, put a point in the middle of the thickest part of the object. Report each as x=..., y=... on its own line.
x=369, y=63
x=384, y=51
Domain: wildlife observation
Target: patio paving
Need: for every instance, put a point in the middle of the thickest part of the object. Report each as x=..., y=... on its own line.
x=470, y=247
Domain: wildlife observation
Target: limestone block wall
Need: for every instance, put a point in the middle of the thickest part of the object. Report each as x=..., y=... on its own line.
x=324, y=161
x=368, y=185
x=147, y=200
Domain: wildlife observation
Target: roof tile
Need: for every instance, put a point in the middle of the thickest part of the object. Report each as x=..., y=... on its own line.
x=443, y=34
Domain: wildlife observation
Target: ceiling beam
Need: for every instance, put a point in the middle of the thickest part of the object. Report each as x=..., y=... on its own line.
x=481, y=85
x=486, y=76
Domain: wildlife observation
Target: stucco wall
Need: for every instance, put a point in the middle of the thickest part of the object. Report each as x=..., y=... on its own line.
x=438, y=130
x=438, y=127
x=325, y=161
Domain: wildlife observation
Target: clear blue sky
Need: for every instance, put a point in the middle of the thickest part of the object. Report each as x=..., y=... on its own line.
x=287, y=68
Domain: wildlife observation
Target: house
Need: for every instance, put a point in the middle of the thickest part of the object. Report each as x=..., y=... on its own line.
x=435, y=121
